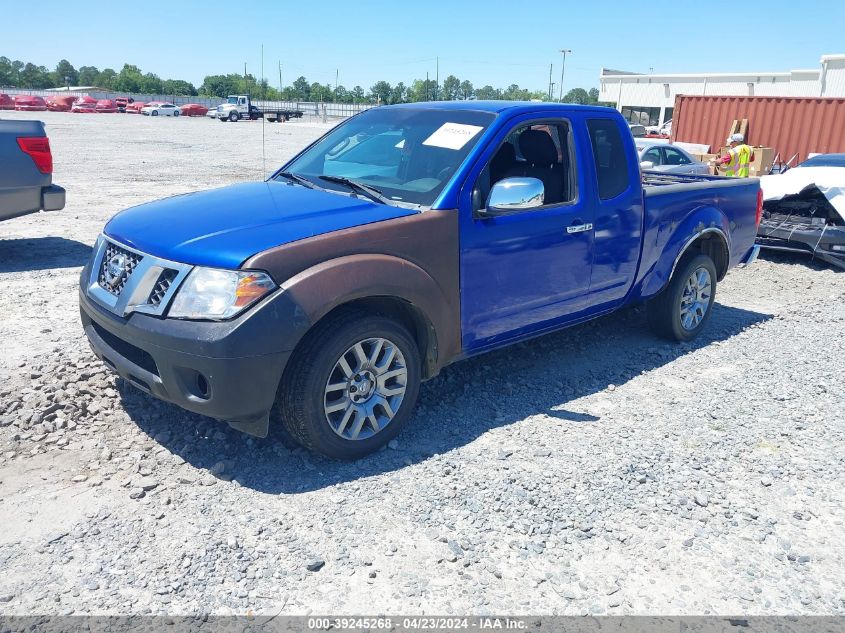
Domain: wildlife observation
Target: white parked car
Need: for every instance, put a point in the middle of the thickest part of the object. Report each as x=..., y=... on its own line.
x=212, y=113
x=160, y=109
x=669, y=158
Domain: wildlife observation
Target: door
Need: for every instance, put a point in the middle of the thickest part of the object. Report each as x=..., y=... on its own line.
x=528, y=270
x=676, y=162
x=618, y=213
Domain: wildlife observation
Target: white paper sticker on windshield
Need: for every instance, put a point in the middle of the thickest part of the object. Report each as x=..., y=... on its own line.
x=452, y=135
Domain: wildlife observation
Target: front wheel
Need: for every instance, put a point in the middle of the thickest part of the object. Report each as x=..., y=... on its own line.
x=154, y=113
x=351, y=385
x=682, y=309
x=233, y=116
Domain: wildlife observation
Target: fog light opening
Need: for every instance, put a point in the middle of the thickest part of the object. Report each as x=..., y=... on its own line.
x=203, y=388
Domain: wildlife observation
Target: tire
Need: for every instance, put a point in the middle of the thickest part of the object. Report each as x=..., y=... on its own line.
x=693, y=289
x=306, y=399
x=154, y=113
x=234, y=116
x=176, y=113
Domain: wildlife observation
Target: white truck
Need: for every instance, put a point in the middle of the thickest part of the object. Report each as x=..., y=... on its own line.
x=238, y=107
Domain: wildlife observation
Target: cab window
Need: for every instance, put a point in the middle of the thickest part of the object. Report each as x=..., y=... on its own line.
x=542, y=150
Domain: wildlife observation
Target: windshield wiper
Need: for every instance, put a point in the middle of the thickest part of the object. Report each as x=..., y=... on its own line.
x=371, y=192
x=302, y=180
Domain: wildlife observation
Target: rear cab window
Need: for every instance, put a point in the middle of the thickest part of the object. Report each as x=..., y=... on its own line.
x=609, y=156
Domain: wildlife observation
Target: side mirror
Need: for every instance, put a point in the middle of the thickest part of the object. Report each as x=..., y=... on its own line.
x=514, y=194
x=646, y=164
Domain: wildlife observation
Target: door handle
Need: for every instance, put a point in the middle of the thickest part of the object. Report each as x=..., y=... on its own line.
x=579, y=228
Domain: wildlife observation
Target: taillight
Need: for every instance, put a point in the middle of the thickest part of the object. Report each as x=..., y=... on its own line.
x=759, y=207
x=38, y=148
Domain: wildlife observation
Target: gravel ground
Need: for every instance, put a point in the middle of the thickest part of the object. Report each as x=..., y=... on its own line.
x=597, y=470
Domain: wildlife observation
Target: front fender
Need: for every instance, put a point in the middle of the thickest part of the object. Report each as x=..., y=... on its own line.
x=699, y=222
x=323, y=287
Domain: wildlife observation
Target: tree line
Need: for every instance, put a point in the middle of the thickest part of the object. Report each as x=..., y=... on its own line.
x=131, y=79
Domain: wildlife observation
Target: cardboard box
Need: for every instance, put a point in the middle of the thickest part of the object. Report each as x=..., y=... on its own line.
x=760, y=165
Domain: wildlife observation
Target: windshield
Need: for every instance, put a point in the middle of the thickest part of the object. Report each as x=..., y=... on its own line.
x=824, y=160
x=232, y=100
x=407, y=154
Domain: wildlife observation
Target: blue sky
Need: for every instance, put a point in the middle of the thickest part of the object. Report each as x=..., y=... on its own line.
x=487, y=42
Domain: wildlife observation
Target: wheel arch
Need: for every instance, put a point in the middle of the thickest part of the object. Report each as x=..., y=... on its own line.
x=706, y=230
x=386, y=285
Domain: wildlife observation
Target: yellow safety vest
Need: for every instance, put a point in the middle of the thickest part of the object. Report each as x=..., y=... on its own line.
x=740, y=159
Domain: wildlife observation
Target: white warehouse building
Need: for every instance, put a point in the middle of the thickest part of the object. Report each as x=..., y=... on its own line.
x=650, y=99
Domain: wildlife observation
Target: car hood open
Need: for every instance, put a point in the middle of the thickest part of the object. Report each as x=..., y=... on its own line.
x=224, y=227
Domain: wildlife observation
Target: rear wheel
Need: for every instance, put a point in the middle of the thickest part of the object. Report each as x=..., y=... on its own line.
x=176, y=113
x=351, y=385
x=682, y=309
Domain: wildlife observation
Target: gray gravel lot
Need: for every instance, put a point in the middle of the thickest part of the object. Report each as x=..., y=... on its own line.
x=597, y=470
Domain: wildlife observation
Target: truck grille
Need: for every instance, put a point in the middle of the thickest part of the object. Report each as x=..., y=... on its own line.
x=116, y=268
x=162, y=285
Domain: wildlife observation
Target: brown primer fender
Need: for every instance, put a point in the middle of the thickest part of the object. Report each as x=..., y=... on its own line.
x=413, y=258
x=321, y=288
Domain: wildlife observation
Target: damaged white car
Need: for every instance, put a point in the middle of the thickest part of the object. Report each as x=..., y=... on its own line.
x=804, y=209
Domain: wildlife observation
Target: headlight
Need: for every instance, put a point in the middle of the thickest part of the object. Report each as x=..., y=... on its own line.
x=208, y=293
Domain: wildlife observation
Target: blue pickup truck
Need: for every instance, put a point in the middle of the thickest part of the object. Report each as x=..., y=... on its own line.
x=405, y=239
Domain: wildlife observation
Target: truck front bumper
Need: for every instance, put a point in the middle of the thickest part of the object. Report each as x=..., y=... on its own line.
x=190, y=363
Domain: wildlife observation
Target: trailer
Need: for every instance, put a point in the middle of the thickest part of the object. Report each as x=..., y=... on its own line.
x=240, y=107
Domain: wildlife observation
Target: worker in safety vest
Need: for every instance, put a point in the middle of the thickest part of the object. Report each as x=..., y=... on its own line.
x=738, y=158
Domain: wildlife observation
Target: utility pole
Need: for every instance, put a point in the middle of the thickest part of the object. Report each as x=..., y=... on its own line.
x=246, y=85
x=336, y=75
x=562, y=70
x=280, y=79
x=427, y=84
x=550, y=82
x=437, y=84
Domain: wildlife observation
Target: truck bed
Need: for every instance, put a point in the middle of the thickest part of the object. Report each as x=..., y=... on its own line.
x=728, y=205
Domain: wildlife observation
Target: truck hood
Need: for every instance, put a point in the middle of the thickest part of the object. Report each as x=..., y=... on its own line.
x=224, y=227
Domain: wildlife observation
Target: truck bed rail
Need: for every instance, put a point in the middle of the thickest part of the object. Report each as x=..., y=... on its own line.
x=658, y=178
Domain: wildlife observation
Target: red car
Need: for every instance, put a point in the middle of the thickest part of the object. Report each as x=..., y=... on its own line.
x=135, y=108
x=30, y=103
x=193, y=109
x=123, y=102
x=106, y=106
x=60, y=103
x=84, y=104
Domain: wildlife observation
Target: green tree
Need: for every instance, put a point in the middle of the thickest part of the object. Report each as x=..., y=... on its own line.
x=151, y=84
x=486, y=92
x=129, y=79
x=177, y=87
x=466, y=90
x=8, y=73
x=357, y=94
x=65, y=74
x=451, y=89
x=106, y=78
x=301, y=89
x=577, y=95
x=421, y=90
x=594, y=95
x=220, y=85
x=380, y=92
x=399, y=93
x=87, y=75
x=32, y=76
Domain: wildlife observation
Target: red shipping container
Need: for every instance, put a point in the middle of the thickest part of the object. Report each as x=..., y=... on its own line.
x=789, y=125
